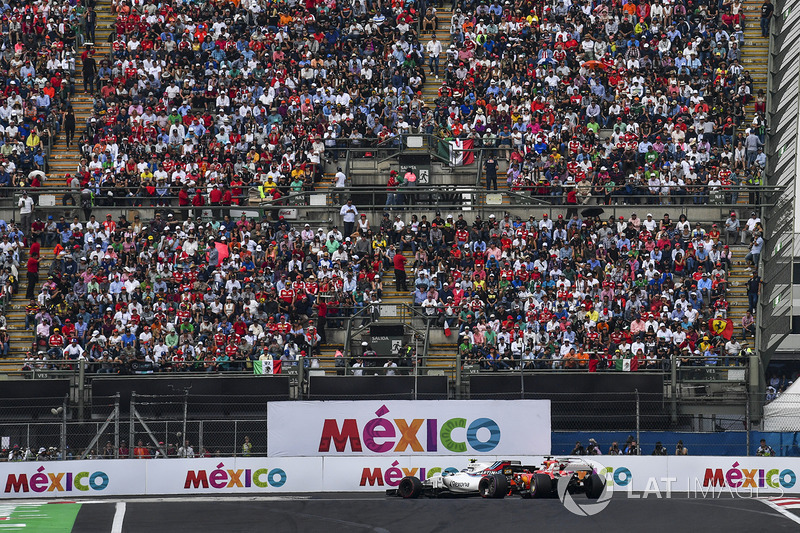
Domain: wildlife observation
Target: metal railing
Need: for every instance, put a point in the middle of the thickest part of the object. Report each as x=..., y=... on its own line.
x=184, y=424
x=675, y=368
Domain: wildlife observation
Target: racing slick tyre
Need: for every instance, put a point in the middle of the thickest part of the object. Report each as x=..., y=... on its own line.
x=410, y=487
x=594, y=486
x=541, y=486
x=493, y=486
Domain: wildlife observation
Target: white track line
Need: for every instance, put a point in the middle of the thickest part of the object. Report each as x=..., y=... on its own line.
x=119, y=517
x=791, y=516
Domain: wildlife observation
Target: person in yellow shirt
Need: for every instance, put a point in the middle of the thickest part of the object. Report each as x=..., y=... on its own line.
x=270, y=185
x=33, y=141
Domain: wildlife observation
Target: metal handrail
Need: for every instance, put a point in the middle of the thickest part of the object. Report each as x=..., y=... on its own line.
x=71, y=366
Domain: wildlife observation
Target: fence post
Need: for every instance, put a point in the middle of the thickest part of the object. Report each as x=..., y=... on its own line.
x=81, y=386
x=200, y=439
x=673, y=371
x=235, y=434
x=638, y=412
x=458, y=374
x=300, y=377
x=185, y=413
x=747, y=424
x=116, y=426
x=416, y=374
x=64, y=428
x=131, y=425
x=521, y=379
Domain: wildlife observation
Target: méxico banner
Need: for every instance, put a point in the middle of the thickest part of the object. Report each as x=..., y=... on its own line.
x=375, y=428
x=701, y=477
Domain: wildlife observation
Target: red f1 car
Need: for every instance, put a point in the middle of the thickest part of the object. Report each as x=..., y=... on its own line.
x=504, y=478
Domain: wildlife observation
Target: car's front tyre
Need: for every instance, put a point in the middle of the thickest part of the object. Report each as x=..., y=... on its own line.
x=410, y=487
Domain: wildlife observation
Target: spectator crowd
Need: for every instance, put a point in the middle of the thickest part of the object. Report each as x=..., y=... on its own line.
x=535, y=83
x=37, y=70
x=197, y=106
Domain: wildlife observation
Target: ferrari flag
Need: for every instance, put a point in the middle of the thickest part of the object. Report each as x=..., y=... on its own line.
x=459, y=154
x=721, y=326
x=265, y=368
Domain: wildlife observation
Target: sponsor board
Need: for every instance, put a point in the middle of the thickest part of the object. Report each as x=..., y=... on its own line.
x=59, y=479
x=700, y=476
x=232, y=475
x=373, y=428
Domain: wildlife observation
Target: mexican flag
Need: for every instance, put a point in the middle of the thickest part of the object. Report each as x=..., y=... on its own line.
x=627, y=364
x=458, y=156
x=264, y=368
x=721, y=326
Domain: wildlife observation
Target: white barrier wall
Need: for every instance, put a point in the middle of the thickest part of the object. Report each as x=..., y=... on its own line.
x=422, y=428
x=745, y=476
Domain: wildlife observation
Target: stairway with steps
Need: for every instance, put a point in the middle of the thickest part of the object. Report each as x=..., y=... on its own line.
x=738, y=275
x=64, y=160
x=755, y=53
x=430, y=91
x=22, y=339
x=391, y=296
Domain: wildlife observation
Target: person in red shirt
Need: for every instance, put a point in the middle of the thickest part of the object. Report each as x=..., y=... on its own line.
x=33, y=273
x=400, y=282
x=56, y=341
x=109, y=224
x=215, y=200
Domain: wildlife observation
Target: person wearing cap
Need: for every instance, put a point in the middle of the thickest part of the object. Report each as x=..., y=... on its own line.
x=752, y=225
x=348, y=212
x=26, y=205
x=732, y=227
x=490, y=171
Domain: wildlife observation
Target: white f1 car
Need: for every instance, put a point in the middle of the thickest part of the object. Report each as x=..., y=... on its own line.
x=490, y=480
x=502, y=478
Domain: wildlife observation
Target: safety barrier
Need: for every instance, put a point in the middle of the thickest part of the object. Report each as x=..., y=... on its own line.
x=703, y=476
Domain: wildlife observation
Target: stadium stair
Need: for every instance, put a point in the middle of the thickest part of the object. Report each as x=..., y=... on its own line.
x=430, y=91
x=755, y=52
x=738, y=275
x=22, y=339
x=65, y=160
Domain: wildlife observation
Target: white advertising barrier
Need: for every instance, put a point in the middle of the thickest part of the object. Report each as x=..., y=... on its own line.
x=420, y=428
x=743, y=476
x=71, y=479
x=230, y=475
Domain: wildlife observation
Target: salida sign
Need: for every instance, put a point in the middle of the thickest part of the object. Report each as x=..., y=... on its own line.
x=408, y=427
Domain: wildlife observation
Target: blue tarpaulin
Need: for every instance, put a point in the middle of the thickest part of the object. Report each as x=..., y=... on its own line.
x=717, y=443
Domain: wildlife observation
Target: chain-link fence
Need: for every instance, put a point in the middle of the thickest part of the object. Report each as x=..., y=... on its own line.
x=186, y=425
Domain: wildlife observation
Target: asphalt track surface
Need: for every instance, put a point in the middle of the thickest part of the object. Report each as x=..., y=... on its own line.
x=373, y=513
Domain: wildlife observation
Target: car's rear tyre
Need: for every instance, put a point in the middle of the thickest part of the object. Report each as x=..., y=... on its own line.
x=541, y=486
x=594, y=486
x=493, y=486
x=410, y=487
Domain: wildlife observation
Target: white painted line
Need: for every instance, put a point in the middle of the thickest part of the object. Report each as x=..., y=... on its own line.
x=5, y=526
x=119, y=517
x=791, y=516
